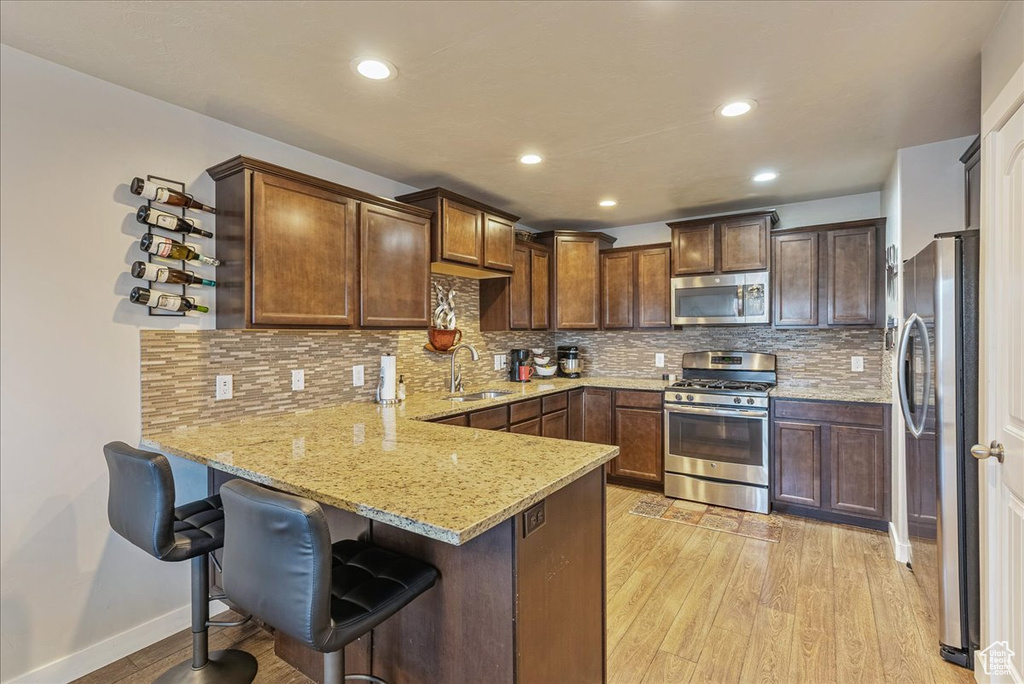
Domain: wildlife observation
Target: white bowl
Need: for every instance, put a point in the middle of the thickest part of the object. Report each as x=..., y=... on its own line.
x=541, y=360
x=546, y=371
x=537, y=351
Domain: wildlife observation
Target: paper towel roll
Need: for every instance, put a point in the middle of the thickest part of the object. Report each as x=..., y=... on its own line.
x=388, y=378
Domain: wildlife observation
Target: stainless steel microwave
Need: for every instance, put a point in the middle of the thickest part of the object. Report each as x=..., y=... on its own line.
x=717, y=299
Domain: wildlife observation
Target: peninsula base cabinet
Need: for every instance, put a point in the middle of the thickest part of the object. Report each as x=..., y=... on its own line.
x=830, y=460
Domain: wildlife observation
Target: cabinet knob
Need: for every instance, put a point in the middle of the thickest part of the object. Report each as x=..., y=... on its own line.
x=980, y=451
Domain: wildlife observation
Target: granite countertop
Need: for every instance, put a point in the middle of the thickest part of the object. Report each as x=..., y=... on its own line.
x=877, y=395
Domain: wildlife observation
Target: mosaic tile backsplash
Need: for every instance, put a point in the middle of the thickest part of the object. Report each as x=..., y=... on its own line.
x=179, y=367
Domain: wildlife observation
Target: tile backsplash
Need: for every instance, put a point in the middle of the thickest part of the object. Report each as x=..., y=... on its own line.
x=179, y=367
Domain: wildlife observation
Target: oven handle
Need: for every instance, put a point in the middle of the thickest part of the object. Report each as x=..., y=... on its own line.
x=740, y=413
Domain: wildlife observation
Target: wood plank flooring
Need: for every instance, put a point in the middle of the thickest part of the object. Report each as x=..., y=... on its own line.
x=825, y=605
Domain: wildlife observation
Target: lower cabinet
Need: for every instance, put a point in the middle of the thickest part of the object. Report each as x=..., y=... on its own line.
x=632, y=420
x=830, y=460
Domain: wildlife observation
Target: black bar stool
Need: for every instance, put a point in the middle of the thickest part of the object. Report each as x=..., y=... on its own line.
x=280, y=564
x=140, y=507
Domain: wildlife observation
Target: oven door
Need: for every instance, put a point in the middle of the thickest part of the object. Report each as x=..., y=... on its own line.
x=717, y=442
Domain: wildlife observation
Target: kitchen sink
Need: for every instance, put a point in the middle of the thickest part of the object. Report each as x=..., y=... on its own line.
x=479, y=396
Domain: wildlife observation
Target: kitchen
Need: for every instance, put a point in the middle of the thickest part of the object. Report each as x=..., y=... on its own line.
x=622, y=297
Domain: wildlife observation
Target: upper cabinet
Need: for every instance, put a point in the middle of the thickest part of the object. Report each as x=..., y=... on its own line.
x=299, y=251
x=576, y=268
x=468, y=238
x=972, y=185
x=635, y=287
x=722, y=244
x=829, y=275
x=521, y=302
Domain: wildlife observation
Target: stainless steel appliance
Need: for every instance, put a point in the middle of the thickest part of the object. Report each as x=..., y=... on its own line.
x=938, y=382
x=717, y=299
x=569, y=364
x=716, y=429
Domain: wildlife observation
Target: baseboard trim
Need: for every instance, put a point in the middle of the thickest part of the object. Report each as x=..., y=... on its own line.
x=900, y=550
x=101, y=654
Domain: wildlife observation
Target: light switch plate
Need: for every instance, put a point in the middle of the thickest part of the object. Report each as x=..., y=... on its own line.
x=298, y=380
x=659, y=360
x=357, y=376
x=224, y=387
x=857, y=364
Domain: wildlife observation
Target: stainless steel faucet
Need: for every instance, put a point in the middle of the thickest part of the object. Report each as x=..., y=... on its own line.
x=455, y=384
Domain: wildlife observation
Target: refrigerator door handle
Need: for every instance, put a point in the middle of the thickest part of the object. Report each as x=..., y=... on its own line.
x=914, y=423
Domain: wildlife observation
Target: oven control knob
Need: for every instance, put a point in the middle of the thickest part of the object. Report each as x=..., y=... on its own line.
x=679, y=397
x=737, y=400
x=689, y=397
x=750, y=401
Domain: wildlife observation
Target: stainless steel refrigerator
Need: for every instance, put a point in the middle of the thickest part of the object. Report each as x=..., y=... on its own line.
x=938, y=381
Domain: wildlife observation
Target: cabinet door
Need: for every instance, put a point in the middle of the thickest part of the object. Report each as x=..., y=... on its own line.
x=575, y=416
x=519, y=289
x=597, y=416
x=540, y=290
x=851, y=276
x=577, y=283
x=555, y=425
x=744, y=244
x=392, y=242
x=693, y=250
x=461, y=233
x=798, y=463
x=499, y=241
x=304, y=261
x=653, y=292
x=617, y=278
x=461, y=420
x=857, y=461
x=641, y=447
x=530, y=427
x=795, y=279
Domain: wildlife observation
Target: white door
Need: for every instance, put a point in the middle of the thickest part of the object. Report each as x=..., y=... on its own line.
x=1002, y=388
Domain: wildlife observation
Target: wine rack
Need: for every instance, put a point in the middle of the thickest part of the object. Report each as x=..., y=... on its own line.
x=162, y=261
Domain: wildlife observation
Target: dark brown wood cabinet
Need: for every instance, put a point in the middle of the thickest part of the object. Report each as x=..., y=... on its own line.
x=574, y=400
x=469, y=238
x=522, y=301
x=638, y=434
x=635, y=288
x=722, y=244
x=829, y=275
x=830, y=460
x=597, y=416
x=300, y=251
x=576, y=282
x=971, y=160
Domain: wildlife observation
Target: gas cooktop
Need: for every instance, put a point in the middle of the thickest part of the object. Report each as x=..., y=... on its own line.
x=724, y=386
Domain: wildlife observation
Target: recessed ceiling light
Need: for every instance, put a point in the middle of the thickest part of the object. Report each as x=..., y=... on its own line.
x=765, y=176
x=374, y=68
x=607, y=203
x=737, y=108
x=531, y=159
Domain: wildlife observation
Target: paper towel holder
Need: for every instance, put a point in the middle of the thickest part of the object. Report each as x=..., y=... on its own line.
x=380, y=386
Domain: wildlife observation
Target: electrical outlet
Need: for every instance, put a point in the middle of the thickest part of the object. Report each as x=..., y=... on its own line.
x=298, y=380
x=499, y=362
x=857, y=364
x=357, y=376
x=533, y=519
x=224, y=389
x=659, y=360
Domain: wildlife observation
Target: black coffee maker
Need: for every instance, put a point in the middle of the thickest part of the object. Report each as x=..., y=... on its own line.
x=569, y=364
x=519, y=359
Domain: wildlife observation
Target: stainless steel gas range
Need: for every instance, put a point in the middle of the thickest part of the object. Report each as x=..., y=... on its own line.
x=716, y=429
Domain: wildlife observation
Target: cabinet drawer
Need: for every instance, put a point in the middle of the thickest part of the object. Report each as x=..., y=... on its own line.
x=490, y=419
x=556, y=402
x=462, y=420
x=831, y=412
x=523, y=410
x=530, y=427
x=638, y=399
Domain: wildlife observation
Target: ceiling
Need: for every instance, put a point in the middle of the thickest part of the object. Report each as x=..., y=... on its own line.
x=618, y=97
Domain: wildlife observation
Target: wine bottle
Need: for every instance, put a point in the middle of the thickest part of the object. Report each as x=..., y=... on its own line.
x=156, y=273
x=161, y=219
x=165, y=195
x=172, y=249
x=164, y=300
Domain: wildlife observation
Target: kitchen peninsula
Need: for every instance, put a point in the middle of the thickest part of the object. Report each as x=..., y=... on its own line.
x=514, y=523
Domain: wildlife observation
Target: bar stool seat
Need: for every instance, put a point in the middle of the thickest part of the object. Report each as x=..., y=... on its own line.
x=198, y=528
x=279, y=564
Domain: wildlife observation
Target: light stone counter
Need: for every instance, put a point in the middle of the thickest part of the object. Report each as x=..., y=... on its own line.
x=820, y=393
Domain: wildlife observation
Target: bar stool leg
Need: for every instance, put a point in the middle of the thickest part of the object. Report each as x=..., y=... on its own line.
x=334, y=670
x=220, y=667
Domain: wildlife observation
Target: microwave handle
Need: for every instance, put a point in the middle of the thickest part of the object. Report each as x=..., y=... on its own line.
x=739, y=301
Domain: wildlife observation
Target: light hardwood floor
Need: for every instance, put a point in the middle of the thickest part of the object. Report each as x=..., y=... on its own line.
x=827, y=604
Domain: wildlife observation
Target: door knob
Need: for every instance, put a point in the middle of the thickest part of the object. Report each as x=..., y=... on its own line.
x=981, y=451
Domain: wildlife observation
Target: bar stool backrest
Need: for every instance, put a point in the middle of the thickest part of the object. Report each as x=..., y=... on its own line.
x=277, y=560
x=140, y=502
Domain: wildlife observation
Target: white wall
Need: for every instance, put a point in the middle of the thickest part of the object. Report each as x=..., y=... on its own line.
x=810, y=213
x=70, y=341
x=1003, y=52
